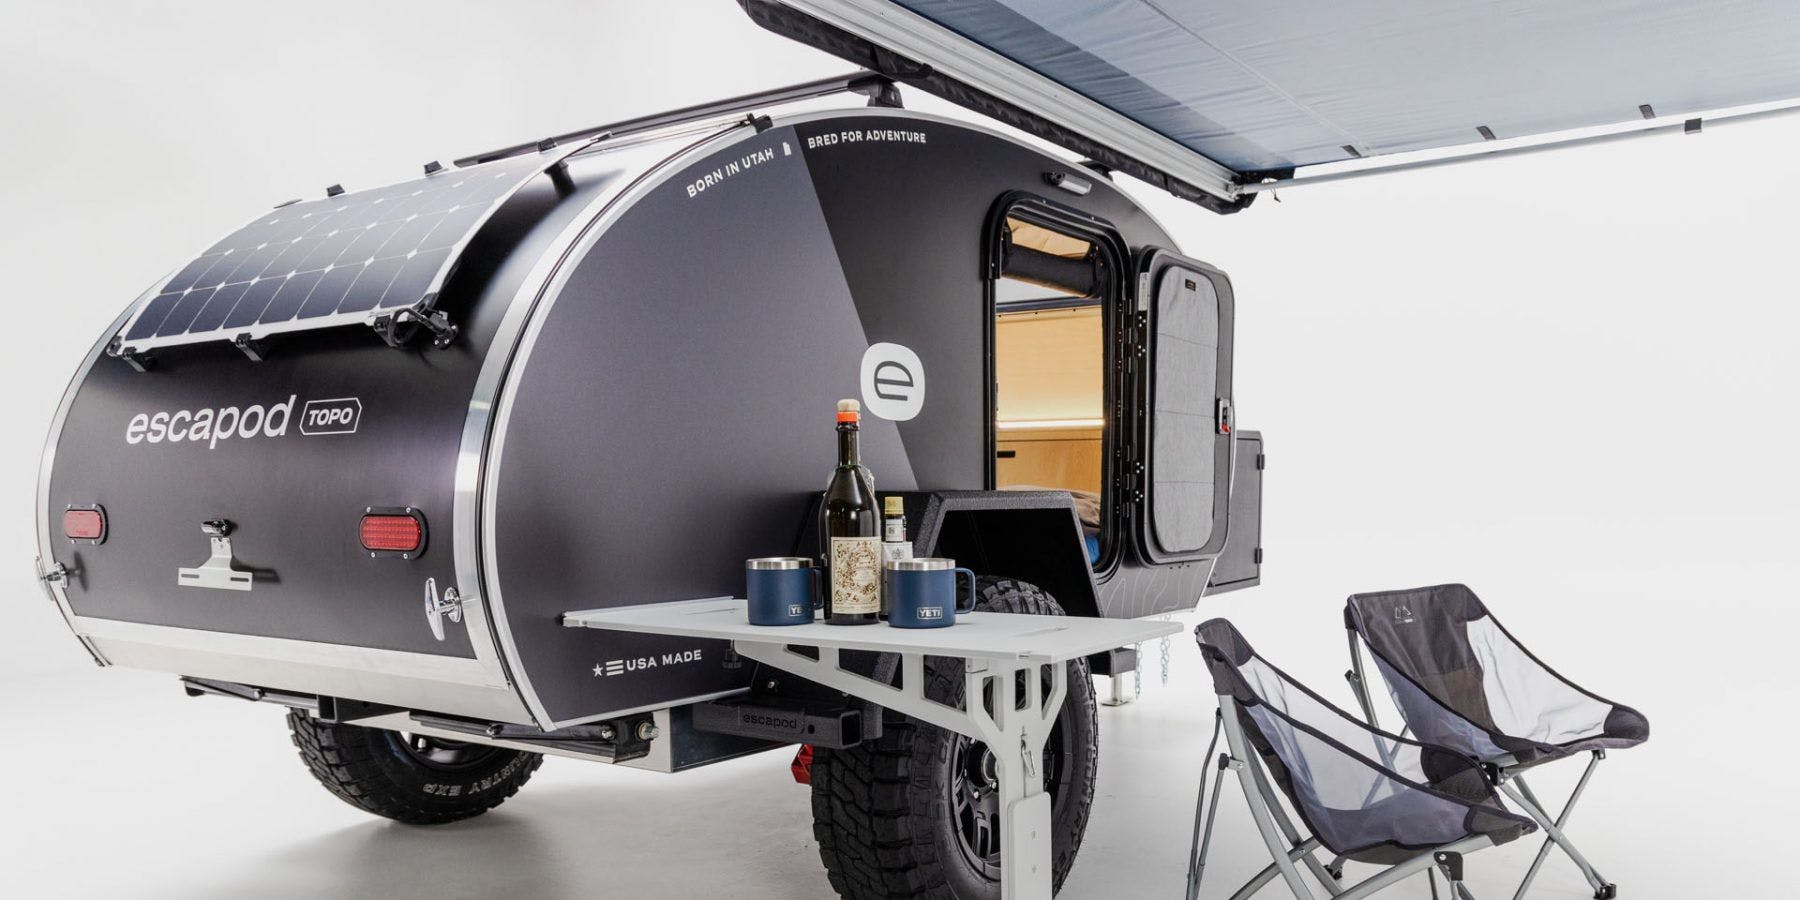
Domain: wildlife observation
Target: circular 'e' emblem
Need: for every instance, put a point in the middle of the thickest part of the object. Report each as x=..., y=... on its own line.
x=893, y=382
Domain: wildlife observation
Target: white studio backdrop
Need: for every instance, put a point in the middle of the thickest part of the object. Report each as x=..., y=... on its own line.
x=1567, y=380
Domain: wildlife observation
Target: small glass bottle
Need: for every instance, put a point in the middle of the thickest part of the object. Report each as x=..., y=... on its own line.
x=894, y=543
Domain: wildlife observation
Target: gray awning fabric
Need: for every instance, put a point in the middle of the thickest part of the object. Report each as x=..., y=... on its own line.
x=1269, y=85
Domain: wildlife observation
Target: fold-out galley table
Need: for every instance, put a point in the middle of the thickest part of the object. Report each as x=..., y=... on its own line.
x=994, y=647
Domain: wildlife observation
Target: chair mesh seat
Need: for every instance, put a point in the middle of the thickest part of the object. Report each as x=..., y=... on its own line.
x=1461, y=680
x=1365, y=794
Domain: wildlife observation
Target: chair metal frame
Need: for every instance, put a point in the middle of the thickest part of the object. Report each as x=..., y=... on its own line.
x=1507, y=775
x=1284, y=841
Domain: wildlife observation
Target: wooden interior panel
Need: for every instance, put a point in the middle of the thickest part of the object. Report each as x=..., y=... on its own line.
x=1050, y=365
x=1065, y=459
x=1037, y=237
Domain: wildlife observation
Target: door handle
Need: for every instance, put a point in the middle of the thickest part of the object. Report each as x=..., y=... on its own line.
x=437, y=609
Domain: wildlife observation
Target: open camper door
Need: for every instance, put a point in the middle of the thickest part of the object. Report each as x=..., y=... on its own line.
x=1181, y=398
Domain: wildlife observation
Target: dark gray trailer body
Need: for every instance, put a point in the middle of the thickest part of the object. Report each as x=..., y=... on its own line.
x=647, y=330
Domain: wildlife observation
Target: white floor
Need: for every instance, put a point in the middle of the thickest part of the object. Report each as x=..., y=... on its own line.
x=120, y=786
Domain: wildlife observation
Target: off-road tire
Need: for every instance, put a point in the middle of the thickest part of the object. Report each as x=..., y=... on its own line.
x=373, y=770
x=882, y=811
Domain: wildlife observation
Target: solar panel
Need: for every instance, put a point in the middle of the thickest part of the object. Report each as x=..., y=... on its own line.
x=345, y=259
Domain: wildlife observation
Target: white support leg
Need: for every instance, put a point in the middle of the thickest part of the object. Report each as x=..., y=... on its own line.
x=1015, y=736
x=1119, y=696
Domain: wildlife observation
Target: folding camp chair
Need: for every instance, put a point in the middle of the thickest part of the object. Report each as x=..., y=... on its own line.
x=1463, y=681
x=1363, y=794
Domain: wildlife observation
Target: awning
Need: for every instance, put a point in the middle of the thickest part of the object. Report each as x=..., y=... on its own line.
x=1220, y=94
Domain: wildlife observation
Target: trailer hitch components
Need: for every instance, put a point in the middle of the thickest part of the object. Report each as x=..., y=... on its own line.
x=217, y=572
x=614, y=740
x=837, y=728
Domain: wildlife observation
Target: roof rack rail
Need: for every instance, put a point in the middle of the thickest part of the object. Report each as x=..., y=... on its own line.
x=878, y=88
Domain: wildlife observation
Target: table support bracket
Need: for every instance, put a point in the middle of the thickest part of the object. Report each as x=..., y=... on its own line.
x=1014, y=728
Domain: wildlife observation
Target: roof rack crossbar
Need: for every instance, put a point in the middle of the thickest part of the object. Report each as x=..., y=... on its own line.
x=869, y=84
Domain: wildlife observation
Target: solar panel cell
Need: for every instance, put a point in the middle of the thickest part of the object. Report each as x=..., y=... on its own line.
x=333, y=261
x=249, y=310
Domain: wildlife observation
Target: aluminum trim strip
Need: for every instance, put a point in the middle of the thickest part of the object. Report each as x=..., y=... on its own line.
x=479, y=453
x=47, y=462
x=459, y=670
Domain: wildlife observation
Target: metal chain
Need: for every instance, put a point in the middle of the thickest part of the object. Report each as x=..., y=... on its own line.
x=1165, y=661
x=1137, y=672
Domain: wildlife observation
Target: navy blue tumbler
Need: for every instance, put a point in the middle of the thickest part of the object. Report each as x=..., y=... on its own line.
x=922, y=593
x=782, y=590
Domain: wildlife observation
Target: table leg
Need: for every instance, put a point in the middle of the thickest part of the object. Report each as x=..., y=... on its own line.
x=1015, y=732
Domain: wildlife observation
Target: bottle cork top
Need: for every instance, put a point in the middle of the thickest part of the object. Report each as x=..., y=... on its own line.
x=894, y=506
x=849, y=411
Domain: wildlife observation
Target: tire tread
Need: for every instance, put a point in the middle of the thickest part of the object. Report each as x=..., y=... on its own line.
x=342, y=758
x=865, y=819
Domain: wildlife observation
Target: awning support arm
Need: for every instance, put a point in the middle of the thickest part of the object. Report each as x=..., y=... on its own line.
x=1684, y=126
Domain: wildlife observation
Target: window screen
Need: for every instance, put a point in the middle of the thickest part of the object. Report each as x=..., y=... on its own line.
x=1184, y=389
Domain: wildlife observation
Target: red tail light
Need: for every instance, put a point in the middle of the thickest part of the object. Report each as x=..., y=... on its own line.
x=85, y=524
x=400, y=532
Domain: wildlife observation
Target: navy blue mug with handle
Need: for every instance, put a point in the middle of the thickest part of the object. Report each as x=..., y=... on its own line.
x=923, y=593
x=782, y=590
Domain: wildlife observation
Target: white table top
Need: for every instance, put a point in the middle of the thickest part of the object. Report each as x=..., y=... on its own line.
x=978, y=635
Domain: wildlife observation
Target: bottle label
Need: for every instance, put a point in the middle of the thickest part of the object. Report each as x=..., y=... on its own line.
x=855, y=575
x=893, y=530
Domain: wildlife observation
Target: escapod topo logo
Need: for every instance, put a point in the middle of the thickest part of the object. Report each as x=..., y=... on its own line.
x=336, y=416
x=339, y=415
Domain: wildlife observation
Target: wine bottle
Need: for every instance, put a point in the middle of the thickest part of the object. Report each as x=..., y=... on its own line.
x=851, y=529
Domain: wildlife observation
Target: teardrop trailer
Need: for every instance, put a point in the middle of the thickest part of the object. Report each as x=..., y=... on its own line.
x=404, y=447
x=588, y=374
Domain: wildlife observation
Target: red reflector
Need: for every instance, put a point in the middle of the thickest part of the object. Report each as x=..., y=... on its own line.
x=393, y=534
x=802, y=765
x=84, y=524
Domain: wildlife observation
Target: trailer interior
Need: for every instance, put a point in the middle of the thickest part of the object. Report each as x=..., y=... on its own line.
x=1050, y=355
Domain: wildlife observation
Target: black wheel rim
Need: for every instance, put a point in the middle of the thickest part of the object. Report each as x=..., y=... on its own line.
x=442, y=754
x=975, y=794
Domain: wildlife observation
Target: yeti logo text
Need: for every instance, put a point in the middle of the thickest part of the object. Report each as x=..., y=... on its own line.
x=893, y=382
x=336, y=416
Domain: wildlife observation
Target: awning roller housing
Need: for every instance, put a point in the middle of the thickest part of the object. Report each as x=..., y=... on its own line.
x=1207, y=97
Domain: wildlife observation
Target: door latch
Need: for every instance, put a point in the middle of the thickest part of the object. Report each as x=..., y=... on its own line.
x=217, y=572
x=1224, y=415
x=56, y=574
x=437, y=608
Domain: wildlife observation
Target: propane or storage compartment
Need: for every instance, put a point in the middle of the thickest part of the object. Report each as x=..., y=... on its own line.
x=373, y=445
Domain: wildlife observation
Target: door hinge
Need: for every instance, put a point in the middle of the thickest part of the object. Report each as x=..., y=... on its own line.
x=1257, y=556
